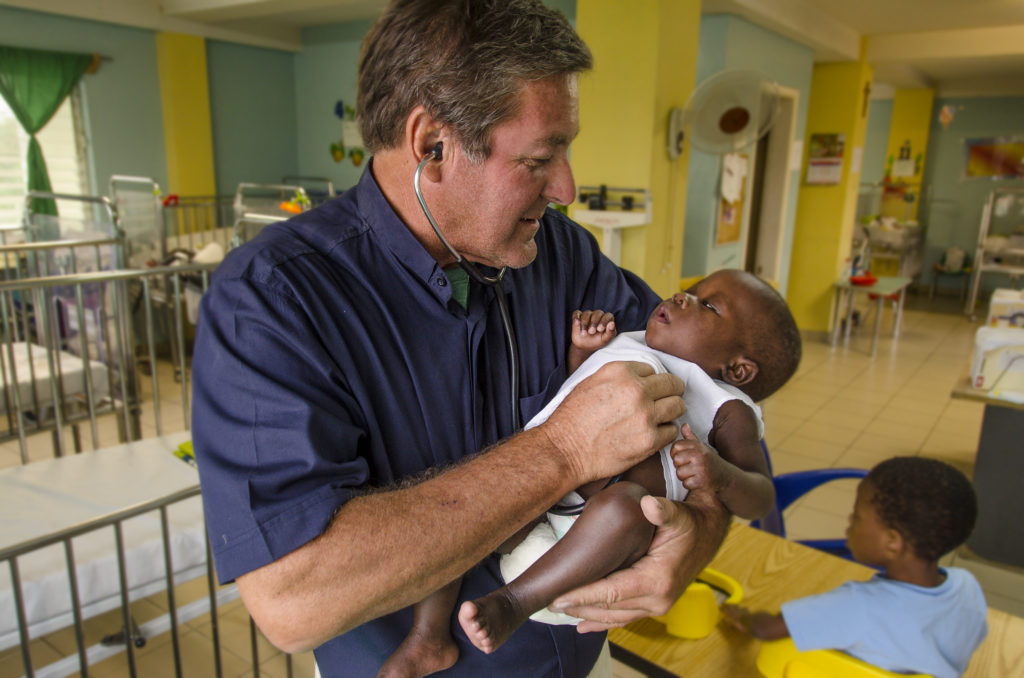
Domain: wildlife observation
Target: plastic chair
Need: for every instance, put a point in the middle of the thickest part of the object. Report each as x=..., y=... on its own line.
x=791, y=486
x=961, y=271
x=781, y=659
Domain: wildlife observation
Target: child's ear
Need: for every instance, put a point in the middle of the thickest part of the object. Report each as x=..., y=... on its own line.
x=894, y=542
x=740, y=370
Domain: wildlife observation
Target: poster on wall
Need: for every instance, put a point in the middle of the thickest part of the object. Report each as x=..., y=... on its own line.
x=730, y=202
x=994, y=158
x=825, y=158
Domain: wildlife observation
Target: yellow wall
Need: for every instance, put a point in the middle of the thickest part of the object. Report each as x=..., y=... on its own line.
x=624, y=107
x=825, y=213
x=185, y=98
x=911, y=122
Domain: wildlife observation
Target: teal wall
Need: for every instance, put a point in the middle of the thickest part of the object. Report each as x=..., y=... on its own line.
x=727, y=41
x=876, y=141
x=123, y=116
x=253, y=114
x=952, y=208
x=325, y=73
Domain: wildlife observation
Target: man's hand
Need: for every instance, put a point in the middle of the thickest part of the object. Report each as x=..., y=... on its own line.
x=697, y=465
x=614, y=419
x=687, y=537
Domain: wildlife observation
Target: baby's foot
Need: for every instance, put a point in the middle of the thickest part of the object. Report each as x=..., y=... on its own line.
x=489, y=621
x=419, y=656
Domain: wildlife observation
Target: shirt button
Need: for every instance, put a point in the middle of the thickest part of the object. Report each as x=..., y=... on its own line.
x=442, y=281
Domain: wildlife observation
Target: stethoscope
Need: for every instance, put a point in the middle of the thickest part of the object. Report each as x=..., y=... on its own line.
x=494, y=282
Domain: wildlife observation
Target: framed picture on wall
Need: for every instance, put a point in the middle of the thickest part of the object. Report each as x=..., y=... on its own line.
x=994, y=158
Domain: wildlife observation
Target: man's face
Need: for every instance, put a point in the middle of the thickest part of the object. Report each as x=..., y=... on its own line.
x=704, y=324
x=492, y=208
x=866, y=533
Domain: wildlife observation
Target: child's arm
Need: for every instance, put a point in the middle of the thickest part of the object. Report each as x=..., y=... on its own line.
x=591, y=330
x=763, y=625
x=738, y=474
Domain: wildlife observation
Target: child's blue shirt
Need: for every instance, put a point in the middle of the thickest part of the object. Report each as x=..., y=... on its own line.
x=894, y=625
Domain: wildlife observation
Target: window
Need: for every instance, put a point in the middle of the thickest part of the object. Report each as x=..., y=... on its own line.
x=63, y=145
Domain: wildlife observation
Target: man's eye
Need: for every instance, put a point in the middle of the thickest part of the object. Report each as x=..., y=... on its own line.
x=536, y=163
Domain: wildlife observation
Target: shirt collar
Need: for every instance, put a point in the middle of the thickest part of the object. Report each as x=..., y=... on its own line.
x=396, y=236
x=385, y=223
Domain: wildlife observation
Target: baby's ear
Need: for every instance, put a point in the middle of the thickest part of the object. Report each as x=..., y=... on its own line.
x=740, y=371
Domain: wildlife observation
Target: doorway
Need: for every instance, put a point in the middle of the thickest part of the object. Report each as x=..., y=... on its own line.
x=770, y=192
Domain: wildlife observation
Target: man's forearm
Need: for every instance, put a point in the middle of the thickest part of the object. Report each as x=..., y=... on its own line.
x=386, y=550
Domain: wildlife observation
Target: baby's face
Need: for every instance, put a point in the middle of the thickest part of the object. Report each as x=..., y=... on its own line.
x=705, y=323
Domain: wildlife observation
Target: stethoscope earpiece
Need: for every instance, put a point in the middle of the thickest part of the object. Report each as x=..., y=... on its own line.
x=494, y=282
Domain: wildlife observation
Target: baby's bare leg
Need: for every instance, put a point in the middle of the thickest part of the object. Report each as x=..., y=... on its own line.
x=429, y=647
x=610, y=534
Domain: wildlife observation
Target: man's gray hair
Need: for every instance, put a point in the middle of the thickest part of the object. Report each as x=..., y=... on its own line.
x=465, y=61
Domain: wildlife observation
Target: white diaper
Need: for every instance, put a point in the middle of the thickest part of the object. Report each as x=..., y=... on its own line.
x=536, y=544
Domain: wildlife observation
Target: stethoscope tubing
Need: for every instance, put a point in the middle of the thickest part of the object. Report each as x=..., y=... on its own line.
x=494, y=282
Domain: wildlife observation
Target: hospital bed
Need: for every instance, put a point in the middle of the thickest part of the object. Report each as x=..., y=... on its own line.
x=120, y=517
x=85, y=334
x=257, y=205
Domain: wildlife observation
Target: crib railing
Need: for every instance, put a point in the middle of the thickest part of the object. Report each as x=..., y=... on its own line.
x=132, y=635
x=72, y=346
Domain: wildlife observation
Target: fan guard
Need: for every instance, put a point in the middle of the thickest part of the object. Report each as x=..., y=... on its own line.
x=731, y=110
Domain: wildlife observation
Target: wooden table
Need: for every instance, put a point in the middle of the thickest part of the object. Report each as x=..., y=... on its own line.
x=773, y=570
x=884, y=287
x=998, y=470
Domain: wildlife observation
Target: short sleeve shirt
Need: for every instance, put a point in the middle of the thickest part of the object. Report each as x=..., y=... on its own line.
x=330, y=357
x=894, y=625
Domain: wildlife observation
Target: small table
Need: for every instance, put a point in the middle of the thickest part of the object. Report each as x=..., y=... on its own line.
x=772, y=570
x=998, y=469
x=884, y=287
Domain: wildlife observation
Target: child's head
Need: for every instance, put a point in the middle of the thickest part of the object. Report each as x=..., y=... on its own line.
x=924, y=503
x=735, y=326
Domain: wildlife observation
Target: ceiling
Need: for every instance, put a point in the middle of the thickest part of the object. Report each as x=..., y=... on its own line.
x=958, y=47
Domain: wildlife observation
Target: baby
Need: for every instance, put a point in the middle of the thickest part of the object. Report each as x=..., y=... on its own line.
x=917, y=617
x=732, y=339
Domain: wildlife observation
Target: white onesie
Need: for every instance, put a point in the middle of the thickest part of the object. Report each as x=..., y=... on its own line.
x=703, y=397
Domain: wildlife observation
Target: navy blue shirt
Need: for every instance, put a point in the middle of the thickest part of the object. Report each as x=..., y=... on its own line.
x=331, y=357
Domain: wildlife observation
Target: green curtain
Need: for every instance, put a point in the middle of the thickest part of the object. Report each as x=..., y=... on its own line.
x=35, y=83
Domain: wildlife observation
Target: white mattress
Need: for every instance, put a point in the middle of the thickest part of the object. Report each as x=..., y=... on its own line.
x=72, y=370
x=42, y=498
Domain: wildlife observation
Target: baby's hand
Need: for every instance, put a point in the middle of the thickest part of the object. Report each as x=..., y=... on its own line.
x=592, y=330
x=697, y=465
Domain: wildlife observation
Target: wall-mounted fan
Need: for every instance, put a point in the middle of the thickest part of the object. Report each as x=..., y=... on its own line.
x=731, y=110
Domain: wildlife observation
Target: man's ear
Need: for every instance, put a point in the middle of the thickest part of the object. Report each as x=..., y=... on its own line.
x=422, y=133
x=740, y=370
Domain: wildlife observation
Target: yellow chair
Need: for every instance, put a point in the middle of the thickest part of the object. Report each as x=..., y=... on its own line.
x=781, y=659
x=696, y=612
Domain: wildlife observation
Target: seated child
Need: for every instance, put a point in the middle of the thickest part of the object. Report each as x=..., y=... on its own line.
x=917, y=617
x=732, y=339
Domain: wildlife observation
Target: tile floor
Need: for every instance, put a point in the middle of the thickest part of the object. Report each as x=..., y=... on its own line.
x=842, y=408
